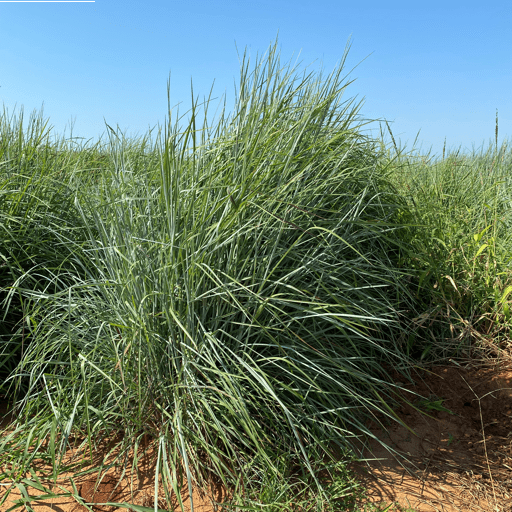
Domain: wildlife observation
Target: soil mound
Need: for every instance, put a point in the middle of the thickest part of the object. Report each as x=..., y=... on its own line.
x=459, y=457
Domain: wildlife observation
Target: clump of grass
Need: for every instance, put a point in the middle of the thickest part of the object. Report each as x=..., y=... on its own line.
x=462, y=244
x=230, y=289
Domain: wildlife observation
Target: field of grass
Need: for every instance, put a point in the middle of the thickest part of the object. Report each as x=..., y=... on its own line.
x=238, y=289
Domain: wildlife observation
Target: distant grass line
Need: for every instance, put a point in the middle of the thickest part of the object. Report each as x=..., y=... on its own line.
x=463, y=243
x=238, y=292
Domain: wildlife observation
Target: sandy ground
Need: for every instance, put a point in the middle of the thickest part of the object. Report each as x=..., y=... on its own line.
x=459, y=458
x=83, y=491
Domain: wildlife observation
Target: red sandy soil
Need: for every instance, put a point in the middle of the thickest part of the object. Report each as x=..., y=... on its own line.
x=456, y=461
x=459, y=460
x=131, y=486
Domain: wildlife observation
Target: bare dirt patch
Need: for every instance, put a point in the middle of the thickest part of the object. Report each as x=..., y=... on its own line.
x=459, y=457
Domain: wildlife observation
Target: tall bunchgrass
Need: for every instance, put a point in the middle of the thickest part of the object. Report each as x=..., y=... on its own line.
x=462, y=244
x=230, y=288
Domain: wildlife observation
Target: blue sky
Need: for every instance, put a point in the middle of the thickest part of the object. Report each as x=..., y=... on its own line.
x=439, y=67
